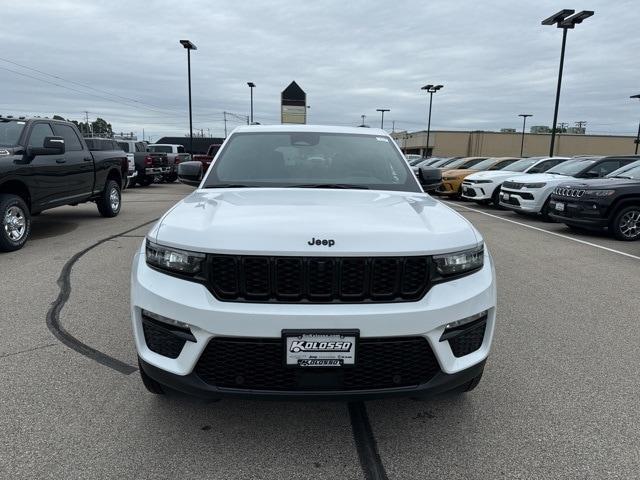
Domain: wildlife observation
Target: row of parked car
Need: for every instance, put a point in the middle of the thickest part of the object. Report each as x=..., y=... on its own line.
x=146, y=164
x=584, y=192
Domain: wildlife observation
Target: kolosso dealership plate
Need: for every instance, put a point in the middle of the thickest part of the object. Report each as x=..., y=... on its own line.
x=320, y=349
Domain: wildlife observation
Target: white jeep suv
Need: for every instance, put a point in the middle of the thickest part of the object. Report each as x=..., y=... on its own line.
x=484, y=187
x=310, y=263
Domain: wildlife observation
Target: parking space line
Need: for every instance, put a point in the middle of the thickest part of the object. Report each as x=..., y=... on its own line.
x=584, y=242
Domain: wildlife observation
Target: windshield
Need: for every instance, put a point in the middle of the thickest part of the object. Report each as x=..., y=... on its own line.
x=464, y=163
x=10, y=131
x=521, y=165
x=159, y=148
x=311, y=159
x=572, y=167
x=443, y=162
x=631, y=170
x=485, y=164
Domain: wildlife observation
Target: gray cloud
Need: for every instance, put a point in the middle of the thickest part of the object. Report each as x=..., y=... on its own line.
x=494, y=58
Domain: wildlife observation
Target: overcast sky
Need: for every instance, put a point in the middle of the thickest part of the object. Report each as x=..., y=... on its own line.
x=494, y=59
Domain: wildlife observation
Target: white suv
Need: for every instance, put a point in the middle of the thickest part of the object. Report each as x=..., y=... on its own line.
x=310, y=263
x=484, y=187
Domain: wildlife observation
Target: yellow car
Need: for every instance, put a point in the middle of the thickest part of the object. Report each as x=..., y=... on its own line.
x=452, y=178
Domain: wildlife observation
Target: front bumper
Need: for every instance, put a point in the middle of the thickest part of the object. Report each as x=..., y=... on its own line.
x=450, y=187
x=525, y=200
x=588, y=214
x=209, y=318
x=478, y=191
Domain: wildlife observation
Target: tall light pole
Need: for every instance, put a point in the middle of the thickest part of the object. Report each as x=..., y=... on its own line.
x=189, y=46
x=382, y=110
x=637, y=141
x=431, y=89
x=251, y=87
x=524, y=122
x=363, y=117
x=564, y=19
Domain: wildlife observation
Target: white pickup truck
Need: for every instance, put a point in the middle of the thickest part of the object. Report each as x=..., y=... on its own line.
x=310, y=263
x=175, y=154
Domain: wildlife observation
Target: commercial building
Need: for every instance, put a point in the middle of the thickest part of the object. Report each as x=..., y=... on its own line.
x=500, y=144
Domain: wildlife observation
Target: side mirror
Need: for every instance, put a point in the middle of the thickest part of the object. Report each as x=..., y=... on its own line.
x=190, y=173
x=430, y=178
x=50, y=146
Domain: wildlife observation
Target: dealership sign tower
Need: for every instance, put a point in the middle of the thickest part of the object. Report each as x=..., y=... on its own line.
x=293, y=106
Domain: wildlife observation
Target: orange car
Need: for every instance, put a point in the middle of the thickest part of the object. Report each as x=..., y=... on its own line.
x=452, y=178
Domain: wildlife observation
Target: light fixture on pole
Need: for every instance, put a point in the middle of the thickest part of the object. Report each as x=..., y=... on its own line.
x=431, y=89
x=251, y=87
x=382, y=110
x=564, y=19
x=189, y=46
x=637, y=140
x=524, y=122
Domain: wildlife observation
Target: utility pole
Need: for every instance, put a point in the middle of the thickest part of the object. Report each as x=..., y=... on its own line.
x=582, y=126
x=143, y=134
x=89, y=129
x=363, y=117
x=524, y=123
x=247, y=119
x=382, y=110
x=562, y=127
x=393, y=126
x=225, y=124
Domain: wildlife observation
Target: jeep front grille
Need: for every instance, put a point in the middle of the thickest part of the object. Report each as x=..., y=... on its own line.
x=569, y=192
x=239, y=278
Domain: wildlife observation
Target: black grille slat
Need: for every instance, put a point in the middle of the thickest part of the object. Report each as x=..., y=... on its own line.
x=258, y=364
x=469, y=341
x=317, y=279
x=161, y=341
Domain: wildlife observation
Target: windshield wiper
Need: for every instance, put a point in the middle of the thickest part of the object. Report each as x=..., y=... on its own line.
x=330, y=185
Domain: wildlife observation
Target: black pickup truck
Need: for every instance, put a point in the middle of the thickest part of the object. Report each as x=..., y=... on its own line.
x=45, y=164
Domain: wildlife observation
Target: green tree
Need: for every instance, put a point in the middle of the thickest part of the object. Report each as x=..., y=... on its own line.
x=101, y=128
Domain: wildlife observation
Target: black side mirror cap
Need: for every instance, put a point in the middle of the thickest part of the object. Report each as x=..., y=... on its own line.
x=50, y=146
x=190, y=173
x=430, y=178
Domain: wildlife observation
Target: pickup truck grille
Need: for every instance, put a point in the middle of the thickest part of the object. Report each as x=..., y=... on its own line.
x=240, y=278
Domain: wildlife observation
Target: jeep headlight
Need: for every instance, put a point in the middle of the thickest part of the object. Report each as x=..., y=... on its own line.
x=534, y=185
x=173, y=259
x=460, y=262
x=599, y=193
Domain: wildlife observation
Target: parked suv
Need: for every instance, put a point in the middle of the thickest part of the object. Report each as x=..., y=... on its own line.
x=530, y=193
x=484, y=187
x=612, y=202
x=310, y=263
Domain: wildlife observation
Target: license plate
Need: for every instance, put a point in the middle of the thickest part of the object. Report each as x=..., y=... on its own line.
x=559, y=207
x=320, y=349
x=506, y=196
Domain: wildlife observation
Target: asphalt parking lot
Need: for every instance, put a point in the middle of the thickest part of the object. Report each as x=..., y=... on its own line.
x=559, y=398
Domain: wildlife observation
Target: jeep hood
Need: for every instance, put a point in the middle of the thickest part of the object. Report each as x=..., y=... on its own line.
x=539, y=177
x=493, y=175
x=457, y=173
x=282, y=221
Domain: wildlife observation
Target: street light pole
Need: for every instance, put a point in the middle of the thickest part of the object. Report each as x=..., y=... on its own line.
x=382, y=110
x=564, y=19
x=638, y=135
x=189, y=46
x=431, y=89
x=363, y=117
x=524, y=122
x=251, y=87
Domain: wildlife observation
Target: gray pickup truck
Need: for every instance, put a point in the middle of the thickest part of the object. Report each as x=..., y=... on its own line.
x=150, y=166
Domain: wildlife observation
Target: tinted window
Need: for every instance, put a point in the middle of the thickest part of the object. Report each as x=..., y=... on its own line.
x=602, y=169
x=288, y=159
x=159, y=148
x=10, y=132
x=622, y=170
x=180, y=149
x=503, y=164
x=71, y=141
x=141, y=147
x=124, y=146
x=38, y=134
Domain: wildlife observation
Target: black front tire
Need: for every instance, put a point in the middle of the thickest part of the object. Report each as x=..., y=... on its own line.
x=149, y=383
x=15, y=222
x=495, y=198
x=626, y=224
x=546, y=208
x=110, y=199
